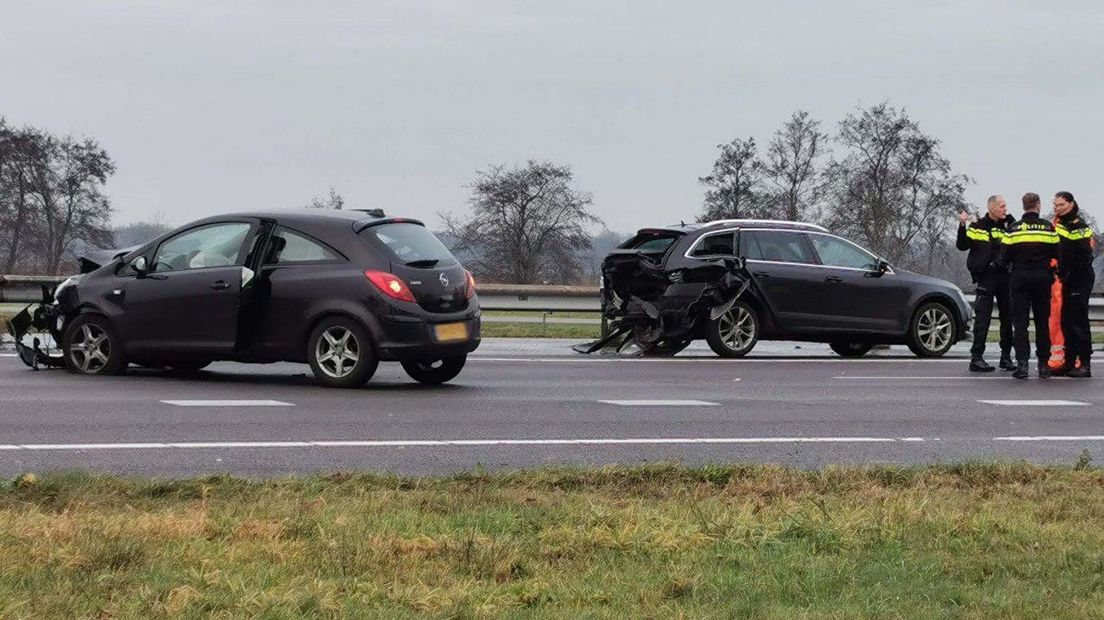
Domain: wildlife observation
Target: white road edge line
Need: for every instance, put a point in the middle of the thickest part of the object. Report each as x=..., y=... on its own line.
x=1053, y=438
x=1036, y=403
x=412, y=443
x=228, y=403
x=957, y=378
x=660, y=403
x=707, y=360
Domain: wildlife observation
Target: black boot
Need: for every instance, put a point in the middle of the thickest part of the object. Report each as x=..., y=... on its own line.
x=978, y=364
x=1062, y=370
x=1021, y=370
x=1044, y=370
x=1084, y=372
x=1006, y=362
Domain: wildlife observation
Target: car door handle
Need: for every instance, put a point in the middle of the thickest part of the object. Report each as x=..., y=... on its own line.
x=220, y=285
x=833, y=279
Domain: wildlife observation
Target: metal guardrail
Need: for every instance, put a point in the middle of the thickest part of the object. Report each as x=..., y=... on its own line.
x=546, y=299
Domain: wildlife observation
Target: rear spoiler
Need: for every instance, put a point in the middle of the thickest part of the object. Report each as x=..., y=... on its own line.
x=360, y=225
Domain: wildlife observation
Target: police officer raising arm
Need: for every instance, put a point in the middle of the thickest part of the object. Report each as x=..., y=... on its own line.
x=1028, y=249
x=982, y=239
x=1075, y=269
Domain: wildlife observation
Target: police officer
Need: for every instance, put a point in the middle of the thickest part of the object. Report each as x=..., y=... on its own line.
x=1028, y=248
x=1075, y=269
x=983, y=241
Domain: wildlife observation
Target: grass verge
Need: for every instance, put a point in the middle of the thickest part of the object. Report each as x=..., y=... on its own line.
x=974, y=540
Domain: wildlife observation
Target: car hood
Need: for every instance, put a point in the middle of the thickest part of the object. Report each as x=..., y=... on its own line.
x=93, y=259
x=912, y=276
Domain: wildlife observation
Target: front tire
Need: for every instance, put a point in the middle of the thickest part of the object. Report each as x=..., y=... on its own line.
x=340, y=353
x=735, y=332
x=92, y=347
x=851, y=349
x=435, y=372
x=931, y=331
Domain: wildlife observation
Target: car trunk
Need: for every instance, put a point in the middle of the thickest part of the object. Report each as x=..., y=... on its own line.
x=437, y=280
x=436, y=289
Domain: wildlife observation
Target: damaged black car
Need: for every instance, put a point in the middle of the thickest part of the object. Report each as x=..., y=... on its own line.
x=736, y=282
x=339, y=290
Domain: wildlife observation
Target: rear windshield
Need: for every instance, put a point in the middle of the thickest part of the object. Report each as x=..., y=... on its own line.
x=650, y=241
x=409, y=244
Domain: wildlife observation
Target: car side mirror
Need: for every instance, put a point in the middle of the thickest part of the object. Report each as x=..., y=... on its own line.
x=880, y=268
x=736, y=264
x=140, y=266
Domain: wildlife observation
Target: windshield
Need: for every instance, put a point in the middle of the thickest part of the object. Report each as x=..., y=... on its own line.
x=409, y=244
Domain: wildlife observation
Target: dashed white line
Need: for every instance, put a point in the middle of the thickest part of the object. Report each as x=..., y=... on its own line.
x=1035, y=403
x=228, y=403
x=660, y=403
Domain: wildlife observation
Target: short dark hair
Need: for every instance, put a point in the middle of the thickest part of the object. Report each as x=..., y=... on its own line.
x=1031, y=201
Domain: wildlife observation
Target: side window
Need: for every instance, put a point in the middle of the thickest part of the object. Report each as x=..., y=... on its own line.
x=779, y=246
x=719, y=244
x=215, y=245
x=839, y=253
x=289, y=247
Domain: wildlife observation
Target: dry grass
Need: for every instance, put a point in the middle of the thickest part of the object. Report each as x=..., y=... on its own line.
x=982, y=540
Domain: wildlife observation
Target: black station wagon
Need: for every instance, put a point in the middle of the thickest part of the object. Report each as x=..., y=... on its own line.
x=340, y=290
x=734, y=282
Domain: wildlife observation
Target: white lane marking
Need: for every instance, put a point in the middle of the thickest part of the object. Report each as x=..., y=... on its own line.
x=1035, y=403
x=711, y=360
x=957, y=378
x=411, y=443
x=9, y=355
x=228, y=403
x=660, y=403
x=1052, y=438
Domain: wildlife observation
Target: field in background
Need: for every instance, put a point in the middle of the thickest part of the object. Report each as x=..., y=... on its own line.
x=976, y=540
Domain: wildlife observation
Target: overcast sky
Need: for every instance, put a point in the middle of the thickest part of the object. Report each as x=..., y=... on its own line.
x=220, y=106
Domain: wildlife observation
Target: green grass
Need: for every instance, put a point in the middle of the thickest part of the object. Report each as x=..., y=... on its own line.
x=974, y=541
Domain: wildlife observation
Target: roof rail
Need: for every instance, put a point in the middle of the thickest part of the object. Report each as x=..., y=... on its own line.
x=753, y=222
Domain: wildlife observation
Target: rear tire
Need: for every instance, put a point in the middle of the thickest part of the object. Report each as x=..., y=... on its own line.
x=851, y=349
x=341, y=354
x=91, y=346
x=435, y=372
x=735, y=332
x=931, y=331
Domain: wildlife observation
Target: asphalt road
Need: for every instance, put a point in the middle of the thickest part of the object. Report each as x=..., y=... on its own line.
x=525, y=403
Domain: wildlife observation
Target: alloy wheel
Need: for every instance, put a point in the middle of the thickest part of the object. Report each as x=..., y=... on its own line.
x=90, y=349
x=337, y=352
x=935, y=329
x=737, y=328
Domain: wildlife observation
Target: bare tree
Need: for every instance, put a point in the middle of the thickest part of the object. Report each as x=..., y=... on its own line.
x=527, y=224
x=794, y=169
x=333, y=201
x=71, y=205
x=735, y=184
x=22, y=151
x=894, y=191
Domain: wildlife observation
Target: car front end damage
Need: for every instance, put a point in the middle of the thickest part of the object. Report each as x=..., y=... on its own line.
x=37, y=331
x=649, y=311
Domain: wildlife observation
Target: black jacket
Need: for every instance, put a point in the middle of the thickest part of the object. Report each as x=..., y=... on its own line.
x=1075, y=253
x=1030, y=245
x=983, y=240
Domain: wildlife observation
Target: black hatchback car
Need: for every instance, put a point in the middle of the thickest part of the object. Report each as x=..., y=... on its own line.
x=340, y=290
x=734, y=282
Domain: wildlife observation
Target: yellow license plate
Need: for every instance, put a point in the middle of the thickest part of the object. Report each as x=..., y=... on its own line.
x=450, y=332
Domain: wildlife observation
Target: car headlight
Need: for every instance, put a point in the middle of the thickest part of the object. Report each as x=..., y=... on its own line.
x=61, y=287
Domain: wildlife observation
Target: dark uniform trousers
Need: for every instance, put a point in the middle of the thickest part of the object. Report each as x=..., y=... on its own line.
x=1031, y=292
x=990, y=287
x=1075, y=324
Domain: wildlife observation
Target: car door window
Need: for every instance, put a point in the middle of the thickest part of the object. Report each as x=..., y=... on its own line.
x=778, y=246
x=288, y=247
x=835, y=252
x=719, y=244
x=216, y=245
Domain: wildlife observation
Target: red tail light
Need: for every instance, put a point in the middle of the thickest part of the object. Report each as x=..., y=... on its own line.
x=469, y=291
x=391, y=285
